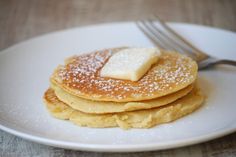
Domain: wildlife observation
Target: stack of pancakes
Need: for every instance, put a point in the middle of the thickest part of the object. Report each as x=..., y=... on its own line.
x=165, y=93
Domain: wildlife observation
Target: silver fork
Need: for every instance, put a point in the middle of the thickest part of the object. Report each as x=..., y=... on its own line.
x=166, y=38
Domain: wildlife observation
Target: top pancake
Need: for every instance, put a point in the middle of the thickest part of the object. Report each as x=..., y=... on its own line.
x=80, y=77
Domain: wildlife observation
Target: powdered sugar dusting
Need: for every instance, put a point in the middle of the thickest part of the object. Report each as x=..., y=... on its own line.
x=82, y=75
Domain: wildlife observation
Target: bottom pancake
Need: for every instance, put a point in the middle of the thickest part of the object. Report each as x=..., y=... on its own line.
x=56, y=107
x=133, y=119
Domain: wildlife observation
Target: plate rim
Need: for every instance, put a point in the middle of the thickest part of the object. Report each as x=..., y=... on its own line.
x=119, y=147
x=4, y=50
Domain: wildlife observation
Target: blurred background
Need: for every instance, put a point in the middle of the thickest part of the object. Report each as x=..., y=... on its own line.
x=23, y=19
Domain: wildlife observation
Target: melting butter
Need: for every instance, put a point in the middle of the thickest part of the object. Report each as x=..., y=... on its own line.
x=130, y=64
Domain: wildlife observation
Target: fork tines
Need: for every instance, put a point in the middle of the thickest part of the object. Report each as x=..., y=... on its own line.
x=164, y=37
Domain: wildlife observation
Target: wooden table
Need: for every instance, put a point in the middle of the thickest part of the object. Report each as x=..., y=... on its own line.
x=23, y=19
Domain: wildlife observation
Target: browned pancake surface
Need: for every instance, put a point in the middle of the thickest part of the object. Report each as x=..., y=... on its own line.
x=80, y=77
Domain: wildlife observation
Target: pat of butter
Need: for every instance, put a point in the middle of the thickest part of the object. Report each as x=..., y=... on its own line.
x=130, y=64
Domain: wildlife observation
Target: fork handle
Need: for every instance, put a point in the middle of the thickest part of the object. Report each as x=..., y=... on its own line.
x=214, y=61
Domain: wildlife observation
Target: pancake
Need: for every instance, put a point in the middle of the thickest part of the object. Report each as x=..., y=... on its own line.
x=80, y=77
x=132, y=119
x=99, y=107
x=56, y=107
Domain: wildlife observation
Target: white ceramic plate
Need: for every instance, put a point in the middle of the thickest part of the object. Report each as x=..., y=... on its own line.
x=24, y=76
